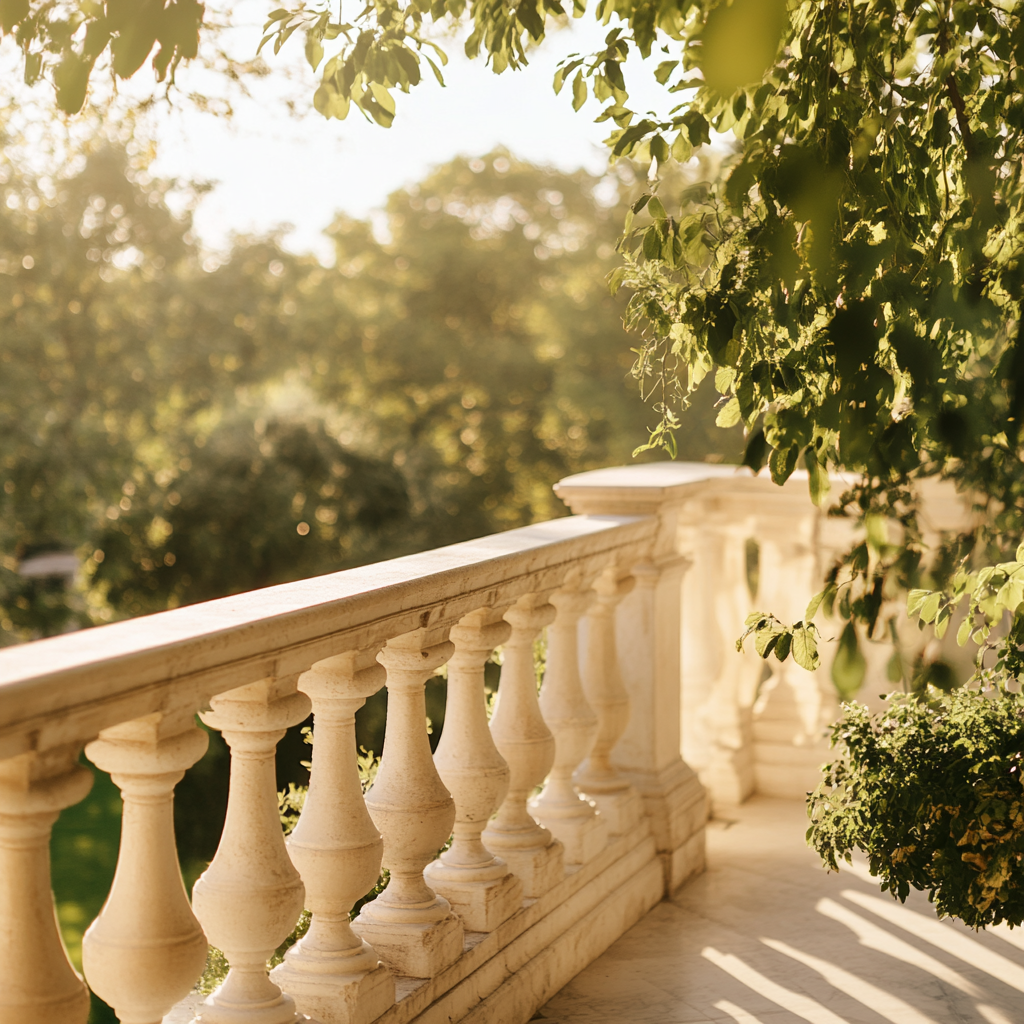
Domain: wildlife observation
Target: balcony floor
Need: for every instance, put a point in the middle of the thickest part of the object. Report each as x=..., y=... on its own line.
x=766, y=936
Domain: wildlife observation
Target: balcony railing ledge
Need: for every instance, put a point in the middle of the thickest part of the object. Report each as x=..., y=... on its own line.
x=62, y=689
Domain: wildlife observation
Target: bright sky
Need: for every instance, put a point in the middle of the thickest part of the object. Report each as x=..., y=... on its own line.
x=272, y=167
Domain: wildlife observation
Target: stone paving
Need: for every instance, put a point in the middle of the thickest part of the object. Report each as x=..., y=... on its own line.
x=766, y=936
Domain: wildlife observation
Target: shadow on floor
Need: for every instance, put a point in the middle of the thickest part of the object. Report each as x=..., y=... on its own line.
x=767, y=936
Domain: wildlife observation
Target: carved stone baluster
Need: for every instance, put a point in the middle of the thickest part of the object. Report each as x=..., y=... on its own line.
x=250, y=896
x=475, y=882
x=597, y=778
x=37, y=981
x=525, y=742
x=571, y=817
x=332, y=974
x=145, y=950
x=412, y=929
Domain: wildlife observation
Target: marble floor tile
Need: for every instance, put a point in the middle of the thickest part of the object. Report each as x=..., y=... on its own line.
x=767, y=936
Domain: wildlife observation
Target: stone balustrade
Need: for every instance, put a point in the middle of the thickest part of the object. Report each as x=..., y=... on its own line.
x=536, y=882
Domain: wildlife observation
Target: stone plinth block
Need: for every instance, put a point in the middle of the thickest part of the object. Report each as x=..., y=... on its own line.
x=358, y=999
x=417, y=950
x=482, y=904
x=583, y=834
x=537, y=868
x=622, y=810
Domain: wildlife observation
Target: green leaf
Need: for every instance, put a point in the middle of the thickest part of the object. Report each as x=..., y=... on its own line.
x=656, y=209
x=849, y=666
x=817, y=477
x=915, y=599
x=964, y=632
x=815, y=603
x=579, y=91
x=71, y=81
x=782, y=647
x=805, y=648
x=740, y=41
x=662, y=73
x=930, y=607
x=729, y=414
x=314, y=50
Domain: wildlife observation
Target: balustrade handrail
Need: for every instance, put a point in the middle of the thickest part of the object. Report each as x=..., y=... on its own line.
x=65, y=689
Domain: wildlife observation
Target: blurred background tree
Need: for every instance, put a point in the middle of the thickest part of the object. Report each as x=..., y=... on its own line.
x=191, y=427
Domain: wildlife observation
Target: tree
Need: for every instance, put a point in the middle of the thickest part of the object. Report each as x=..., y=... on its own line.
x=193, y=429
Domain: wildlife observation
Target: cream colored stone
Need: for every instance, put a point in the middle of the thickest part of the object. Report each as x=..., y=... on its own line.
x=572, y=819
x=146, y=949
x=475, y=882
x=526, y=744
x=332, y=974
x=66, y=689
x=719, y=692
x=648, y=639
x=795, y=706
x=37, y=981
x=250, y=897
x=597, y=779
x=412, y=929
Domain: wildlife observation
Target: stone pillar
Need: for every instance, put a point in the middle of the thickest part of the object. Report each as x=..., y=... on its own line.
x=37, y=981
x=333, y=975
x=250, y=897
x=476, y=883
x=648, y=624
x=146, y=950
x=412, y=929
x=526, y=744
x=573, y=819
x=597, y=778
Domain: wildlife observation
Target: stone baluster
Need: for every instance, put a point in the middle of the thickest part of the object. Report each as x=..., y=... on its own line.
x=525, y=742
x=37, y=981
x=572, y=818
x=412, y=929
x=597, y=778
x=333, y=975
x=250, y=897
x=145, y=950
x=476, y=883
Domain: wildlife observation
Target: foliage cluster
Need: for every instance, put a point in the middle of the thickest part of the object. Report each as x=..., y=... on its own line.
x=932, y=793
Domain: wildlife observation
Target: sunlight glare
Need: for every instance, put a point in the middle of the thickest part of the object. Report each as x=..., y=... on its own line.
x=737, y=1013
x=873, y=937
x=941, y=935
x=885, y=1004
x=797, y=1003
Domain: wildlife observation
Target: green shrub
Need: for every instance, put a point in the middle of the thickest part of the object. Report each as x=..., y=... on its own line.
x=931, y=791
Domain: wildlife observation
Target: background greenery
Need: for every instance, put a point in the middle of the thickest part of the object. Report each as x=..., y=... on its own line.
x=193, y=426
